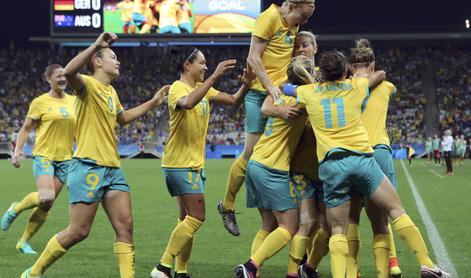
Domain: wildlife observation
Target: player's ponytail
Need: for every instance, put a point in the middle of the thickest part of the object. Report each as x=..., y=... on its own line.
x=362, y=53
x=300, y=70
x=180, y=55
x=333, y=65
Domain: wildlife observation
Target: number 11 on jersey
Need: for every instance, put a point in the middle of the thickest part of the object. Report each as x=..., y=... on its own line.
x=327, y=105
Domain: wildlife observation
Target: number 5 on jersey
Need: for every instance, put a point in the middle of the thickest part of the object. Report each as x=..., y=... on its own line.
x=327, y=106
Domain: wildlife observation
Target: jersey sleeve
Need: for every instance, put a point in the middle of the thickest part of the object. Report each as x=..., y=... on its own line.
x=264, y=25
x=176, y=92
x=34, y=111
x=301, y=93
x=86, y=80
x=212, y=93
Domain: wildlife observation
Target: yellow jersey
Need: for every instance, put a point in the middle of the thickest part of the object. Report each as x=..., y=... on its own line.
x=139, y=6
x=276, y=146
x=55, y=126
x=271, y=27
x=334, y=110
x=187, y=138
x=375, y=110
x=183, y=13
x=304, y=160
x=168, y=13
x=126, y=10
x=97, y=108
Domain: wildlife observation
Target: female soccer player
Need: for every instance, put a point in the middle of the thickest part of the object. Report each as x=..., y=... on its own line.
x=346, y=161
x=270, y=51
x=303, y=169
x=183, y=159
x=95, y=175
x=269, y=186
x=373, y=117
x=52, y=116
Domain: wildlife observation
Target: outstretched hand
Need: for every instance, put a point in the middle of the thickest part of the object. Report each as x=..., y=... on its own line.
x=160, y=95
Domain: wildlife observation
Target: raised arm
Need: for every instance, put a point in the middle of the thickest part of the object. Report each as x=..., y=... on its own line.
x=254, y=59
x=269, y=109
x=236, y=99
x=375, y=78
x=191, y=100
x=130, y=115
x=71, y=71
x=21, y=140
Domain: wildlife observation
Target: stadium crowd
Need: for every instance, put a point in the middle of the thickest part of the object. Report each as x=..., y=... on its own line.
x=144, y=71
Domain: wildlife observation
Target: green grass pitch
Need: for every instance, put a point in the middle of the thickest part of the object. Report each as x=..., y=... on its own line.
x=216, y=252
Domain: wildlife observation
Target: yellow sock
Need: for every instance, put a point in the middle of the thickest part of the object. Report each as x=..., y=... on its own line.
x=274, y=242
x=234, y=182
x=51, y=253
x=354, y=242
x=338, y=255
x=258, y=240
x=311, y=239
x=320, y=248
x=126, y=259
x=181, y=235
x=36, y=220
x=408, y=232
x=381, y=250
x=297, y=250
x=29, y=201
x=181, y=260
x=392, y=243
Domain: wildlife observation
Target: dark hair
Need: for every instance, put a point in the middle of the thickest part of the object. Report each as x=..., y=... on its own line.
x=362, y=52
x=50, y=69
x=183, y=54
x=333, y=65
x=98, y=54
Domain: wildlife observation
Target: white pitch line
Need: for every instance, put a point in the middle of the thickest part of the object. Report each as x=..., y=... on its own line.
x=436, y=174
x=443, y=259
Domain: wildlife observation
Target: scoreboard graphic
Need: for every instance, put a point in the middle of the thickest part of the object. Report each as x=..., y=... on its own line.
x=72, y=17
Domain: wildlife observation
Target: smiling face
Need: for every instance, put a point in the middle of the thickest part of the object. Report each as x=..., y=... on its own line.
x=197, y=67
x=57, y=79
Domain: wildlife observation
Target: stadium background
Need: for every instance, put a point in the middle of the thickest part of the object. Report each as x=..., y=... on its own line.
x=423, y=45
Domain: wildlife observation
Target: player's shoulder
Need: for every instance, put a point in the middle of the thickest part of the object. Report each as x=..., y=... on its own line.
x=40, y=99
x=271, y=11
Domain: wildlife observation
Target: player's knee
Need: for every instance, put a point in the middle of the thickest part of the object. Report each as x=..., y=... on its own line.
x=125, y=228
x=307, y=228
x=269, y=226
x=78, y=234
x=46, y=198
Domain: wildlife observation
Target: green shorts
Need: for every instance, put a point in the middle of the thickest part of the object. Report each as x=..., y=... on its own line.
x=184, y=181
x=305, y=188
x=254, y=119
x=269, y=188
x=343, y=173
x=44, y=166
x=460, y=152
x=87, y=182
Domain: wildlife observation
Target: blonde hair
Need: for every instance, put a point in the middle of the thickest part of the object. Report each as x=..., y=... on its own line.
x=308, y=35
x=362, y=53
x=300, y=70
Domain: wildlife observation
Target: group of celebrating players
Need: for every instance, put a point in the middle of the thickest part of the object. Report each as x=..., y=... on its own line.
x=316, y=152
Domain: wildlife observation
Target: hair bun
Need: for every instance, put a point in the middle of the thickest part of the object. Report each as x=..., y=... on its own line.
x=362, y=43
